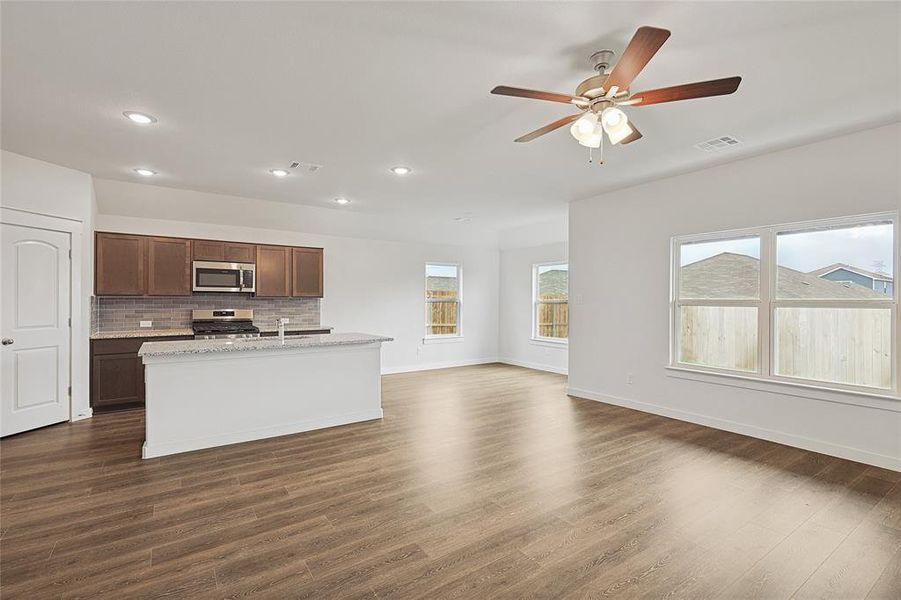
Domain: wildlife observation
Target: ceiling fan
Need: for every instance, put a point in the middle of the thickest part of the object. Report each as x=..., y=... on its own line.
x=600, y=96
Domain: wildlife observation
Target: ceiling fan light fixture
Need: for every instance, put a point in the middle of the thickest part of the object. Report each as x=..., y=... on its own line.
x=620, y=133
x=613, y=118
x=616, y=124
x=584, y=127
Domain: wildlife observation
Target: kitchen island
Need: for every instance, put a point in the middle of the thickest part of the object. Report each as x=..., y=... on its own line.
x=207, y=393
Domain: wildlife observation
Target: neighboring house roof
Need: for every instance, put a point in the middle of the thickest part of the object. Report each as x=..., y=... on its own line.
x=729, y=275
x=858, y=270
x=554, y=283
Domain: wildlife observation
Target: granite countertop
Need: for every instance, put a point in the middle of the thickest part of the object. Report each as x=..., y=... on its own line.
x=139, y=333
x=291, y=328
x=176, y=348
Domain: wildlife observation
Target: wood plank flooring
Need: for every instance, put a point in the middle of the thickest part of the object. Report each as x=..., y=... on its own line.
x=480, y=482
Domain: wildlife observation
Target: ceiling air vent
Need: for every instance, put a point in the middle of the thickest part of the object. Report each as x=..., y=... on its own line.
x=717, y=144
x=305, y=167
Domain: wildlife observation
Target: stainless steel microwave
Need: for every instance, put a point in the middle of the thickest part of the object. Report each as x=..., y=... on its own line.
x=215, y=276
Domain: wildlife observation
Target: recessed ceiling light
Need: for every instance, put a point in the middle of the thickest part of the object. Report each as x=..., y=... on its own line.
x=401, y=170
x=279, y=172
x=342, y=201
x=139, y=118
x=145, y=172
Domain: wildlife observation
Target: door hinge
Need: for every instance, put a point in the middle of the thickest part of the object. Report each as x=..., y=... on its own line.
x=70, y=391
x=70, y=322
x=70, y=252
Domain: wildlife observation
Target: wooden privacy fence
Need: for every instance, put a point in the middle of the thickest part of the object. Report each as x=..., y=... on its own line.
x=553, y=318
x=841, y=345
x=441, y=312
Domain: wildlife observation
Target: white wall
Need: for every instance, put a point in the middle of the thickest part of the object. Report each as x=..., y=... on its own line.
x=47, y=189
x=515, y=331
x=371, y=286
x=619, y=289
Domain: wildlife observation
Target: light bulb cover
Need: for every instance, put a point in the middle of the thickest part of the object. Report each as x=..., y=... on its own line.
x=584, y=126
x=279, y=172
x=620, y=133
x=613, y=118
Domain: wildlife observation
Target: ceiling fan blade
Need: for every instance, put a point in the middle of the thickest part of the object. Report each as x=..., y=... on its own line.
x=641, y=49
x=548, y=128
x=701, y=89
x=503, y=90
x=635, y=135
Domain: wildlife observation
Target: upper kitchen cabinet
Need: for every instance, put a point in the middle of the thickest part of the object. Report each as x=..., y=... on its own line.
x=240, y=253
x=306, y=280
x=226, y=251
x=273, y=271
x=168, y=267
x=119, y=262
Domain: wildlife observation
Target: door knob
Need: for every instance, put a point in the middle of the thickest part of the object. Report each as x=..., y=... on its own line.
x=7, y=341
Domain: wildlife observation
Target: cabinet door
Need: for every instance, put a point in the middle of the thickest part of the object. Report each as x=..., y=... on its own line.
x=240, y=253
x=168, y=267
x=273, y=271
x=306, y=281
x=208, y=250
x=119, y=264
x=117, y=380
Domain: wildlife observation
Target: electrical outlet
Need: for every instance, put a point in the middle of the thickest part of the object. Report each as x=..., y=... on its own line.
x=286, y=320
x=629, y=378
x=146, y=323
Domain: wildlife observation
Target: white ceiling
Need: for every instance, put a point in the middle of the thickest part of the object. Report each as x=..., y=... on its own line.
x=240, y=88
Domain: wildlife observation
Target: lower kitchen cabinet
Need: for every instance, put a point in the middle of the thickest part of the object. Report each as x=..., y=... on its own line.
x=117, y=373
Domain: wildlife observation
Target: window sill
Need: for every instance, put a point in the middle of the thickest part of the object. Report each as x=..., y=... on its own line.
x=886, y=401
x=549, y=342
x=442, y=339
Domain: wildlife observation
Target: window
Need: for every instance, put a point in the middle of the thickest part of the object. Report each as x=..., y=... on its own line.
x=550, y=302
x=443, y=298
x=809, y=303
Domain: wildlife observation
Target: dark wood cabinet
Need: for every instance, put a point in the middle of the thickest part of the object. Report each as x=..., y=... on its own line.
x=273, y=271
x=117, y=372
x=240, y=253
x=138, y=265
x=119, y=263
x=306, y=280
x=208, y=250
x=227, y=251
x=168, y=267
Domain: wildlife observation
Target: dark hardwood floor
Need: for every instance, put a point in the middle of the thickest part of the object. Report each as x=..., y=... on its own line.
x=479, y=482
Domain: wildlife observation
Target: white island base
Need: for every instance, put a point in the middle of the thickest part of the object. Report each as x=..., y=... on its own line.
x=206, y=394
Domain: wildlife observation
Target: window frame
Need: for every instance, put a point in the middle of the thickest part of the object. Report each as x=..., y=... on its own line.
x=534, y=336
x=459, y=302
x=767, y=303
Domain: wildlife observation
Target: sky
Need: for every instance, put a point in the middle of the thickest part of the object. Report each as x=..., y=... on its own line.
x=867, y=247
x=441, y=271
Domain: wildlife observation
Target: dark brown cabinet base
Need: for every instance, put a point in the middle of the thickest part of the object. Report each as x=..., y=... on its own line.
x=117, y=373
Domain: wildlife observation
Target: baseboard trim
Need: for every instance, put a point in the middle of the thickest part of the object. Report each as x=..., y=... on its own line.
x=535, y=366
x=440, y=365
x=236, y=437
x=780, y=437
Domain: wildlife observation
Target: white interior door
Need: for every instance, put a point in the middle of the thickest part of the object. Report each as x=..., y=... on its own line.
x=35, y=329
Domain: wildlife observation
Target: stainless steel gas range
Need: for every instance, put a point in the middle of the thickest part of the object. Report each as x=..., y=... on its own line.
x=228, y=323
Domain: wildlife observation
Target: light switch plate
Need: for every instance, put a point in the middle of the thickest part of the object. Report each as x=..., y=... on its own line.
x=146, y=323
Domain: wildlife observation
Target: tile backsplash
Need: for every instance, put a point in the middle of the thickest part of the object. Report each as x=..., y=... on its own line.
x=174, y=312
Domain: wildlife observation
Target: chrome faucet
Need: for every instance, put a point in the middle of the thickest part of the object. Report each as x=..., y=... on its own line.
x=281, y=329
